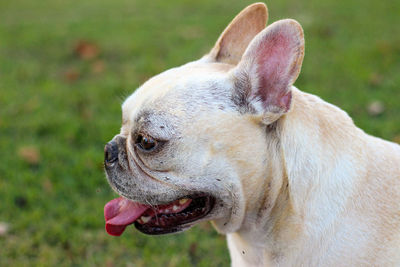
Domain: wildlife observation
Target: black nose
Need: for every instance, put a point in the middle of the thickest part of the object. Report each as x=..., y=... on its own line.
x=111, y=152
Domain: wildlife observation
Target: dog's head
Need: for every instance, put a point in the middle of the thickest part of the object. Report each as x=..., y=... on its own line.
x=193, y=142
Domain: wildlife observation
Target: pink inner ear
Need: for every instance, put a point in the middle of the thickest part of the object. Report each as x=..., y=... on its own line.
x=274, y=60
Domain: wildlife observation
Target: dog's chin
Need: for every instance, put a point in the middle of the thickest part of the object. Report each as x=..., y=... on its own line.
x=161, y=224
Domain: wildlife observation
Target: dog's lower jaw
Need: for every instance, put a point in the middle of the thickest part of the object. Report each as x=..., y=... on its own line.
x=229, y=224
x=234, y=219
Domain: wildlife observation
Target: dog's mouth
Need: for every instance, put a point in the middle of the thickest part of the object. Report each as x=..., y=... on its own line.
x=156, y=220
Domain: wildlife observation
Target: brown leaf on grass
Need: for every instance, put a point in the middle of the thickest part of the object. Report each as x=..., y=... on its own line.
x=98, y=66
x=109, y=263
x=71, y=75
x=47, y=185
x=325, y=32
x=385, y=47
x=396, y=139
x=4, y=227
x=29, y=154
x=375, y=108
x=86, y=50
x=193, y=251
x=375, y=79
x=86, y=113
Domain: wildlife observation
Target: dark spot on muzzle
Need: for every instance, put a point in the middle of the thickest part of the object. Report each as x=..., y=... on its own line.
x=110, y=153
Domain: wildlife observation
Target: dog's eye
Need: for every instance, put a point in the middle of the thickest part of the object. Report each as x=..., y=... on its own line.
x=145, y=143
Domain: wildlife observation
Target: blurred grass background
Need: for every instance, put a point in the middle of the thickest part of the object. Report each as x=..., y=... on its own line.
x=66, y=66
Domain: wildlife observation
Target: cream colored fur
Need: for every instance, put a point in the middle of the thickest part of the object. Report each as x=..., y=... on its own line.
x=304, y=187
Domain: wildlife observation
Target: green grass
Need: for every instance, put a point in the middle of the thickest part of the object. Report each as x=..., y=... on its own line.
x=57, y=110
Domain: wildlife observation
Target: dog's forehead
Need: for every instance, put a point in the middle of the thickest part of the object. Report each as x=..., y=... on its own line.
x=180, y=92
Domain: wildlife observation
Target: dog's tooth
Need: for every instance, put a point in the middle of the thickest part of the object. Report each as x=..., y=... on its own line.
x=183, y=201
x=175, y=208
x=145, y=219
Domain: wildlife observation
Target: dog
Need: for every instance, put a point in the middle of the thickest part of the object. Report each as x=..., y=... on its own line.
x=288, y=178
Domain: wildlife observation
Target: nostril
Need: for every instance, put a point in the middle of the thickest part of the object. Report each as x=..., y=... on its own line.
x=111, y=152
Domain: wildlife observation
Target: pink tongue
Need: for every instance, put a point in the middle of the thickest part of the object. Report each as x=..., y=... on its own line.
x=120, y=212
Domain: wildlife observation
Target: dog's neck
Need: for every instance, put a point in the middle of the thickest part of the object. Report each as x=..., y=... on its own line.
x=311, y=160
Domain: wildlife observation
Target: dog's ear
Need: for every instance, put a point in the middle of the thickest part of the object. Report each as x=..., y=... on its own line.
x=234, y=40
x=268, y=69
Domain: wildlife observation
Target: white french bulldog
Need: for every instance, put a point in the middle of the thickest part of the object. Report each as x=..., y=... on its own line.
x=286, y=176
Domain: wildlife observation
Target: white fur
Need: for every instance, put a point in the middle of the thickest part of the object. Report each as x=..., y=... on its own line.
x=304, y=187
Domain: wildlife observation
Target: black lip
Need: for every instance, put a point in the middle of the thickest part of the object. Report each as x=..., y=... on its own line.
x=180, y=224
